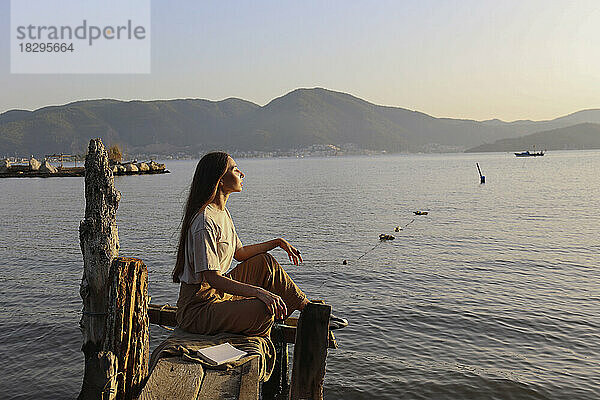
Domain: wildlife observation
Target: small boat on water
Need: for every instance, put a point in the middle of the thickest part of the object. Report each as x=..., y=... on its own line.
x=530, y=154
x=421, y=212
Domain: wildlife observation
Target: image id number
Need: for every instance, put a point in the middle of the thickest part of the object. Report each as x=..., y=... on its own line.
x=46, y=47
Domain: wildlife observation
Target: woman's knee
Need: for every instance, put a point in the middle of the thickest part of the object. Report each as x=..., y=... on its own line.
x=265, y=258
x=257, y=318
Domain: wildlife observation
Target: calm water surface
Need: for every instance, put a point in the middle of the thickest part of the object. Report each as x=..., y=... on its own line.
x=493, y=295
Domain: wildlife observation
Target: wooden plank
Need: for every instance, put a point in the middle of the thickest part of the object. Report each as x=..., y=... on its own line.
x=288, y=329
x=162, y=314
x=288, y=334
x=175, y=379
x=310, y=352
x=218, y=385
x=166, y=315
x=249, y=383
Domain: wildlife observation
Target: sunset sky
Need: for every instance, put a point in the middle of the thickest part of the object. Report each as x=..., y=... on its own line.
x=481, y=59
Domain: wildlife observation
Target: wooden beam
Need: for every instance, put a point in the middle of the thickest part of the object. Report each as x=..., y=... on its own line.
x=310, y=352
x=165, y=315
x=162, y=314
x=249, y=383
x=173, y=379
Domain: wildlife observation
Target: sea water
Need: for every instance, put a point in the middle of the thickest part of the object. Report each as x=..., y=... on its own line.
x=495, y=294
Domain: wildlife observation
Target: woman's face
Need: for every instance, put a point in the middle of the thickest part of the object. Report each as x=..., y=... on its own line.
x=233, y=180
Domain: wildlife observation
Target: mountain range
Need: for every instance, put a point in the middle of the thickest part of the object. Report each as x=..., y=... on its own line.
x=575, y=137
x=298, y=119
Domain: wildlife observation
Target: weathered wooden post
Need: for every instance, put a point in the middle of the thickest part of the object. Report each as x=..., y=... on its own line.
x=126, y=329
x=114, y=292
x=310, y=352
x=277, y=387
x=99, y=240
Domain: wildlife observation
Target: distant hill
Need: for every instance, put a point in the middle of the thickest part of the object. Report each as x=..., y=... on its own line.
x=575, y=137
x=592, y=115
x=298, y=119
x=68, y=128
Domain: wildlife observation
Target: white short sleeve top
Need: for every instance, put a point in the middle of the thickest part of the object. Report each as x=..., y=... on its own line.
x=211, y=244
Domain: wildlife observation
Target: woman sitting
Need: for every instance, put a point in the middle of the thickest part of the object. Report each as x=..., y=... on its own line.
x=248, y=298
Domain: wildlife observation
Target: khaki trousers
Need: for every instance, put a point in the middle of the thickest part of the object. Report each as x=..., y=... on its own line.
x=205, y=310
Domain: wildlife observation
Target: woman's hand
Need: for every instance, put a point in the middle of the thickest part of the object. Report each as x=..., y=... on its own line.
x=274, y=303
x=293, y=253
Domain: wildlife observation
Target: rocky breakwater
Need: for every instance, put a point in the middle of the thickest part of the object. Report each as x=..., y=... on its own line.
x=4, y=166
x=32, y=168
x=138, y=168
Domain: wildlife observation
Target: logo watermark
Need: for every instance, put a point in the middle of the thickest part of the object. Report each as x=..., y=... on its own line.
x=74, y=36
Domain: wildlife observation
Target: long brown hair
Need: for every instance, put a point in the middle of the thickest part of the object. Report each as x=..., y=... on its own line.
x=209, y=171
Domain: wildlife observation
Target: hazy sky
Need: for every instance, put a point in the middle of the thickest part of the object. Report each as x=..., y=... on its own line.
x=464, y=59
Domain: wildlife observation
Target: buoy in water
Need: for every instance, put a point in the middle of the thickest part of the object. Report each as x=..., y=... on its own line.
x=481, y=176
x=398, y=229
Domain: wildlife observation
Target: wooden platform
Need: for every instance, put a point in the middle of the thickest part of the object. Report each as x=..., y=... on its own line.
x=173, y=378
x=183, y=380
